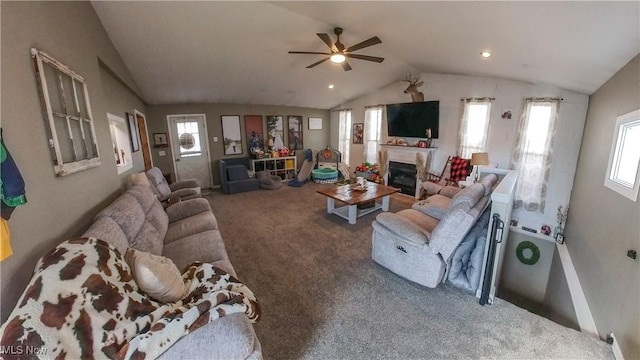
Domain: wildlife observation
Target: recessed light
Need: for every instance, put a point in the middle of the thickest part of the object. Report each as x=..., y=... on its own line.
x=331, y=86
x=485, y=54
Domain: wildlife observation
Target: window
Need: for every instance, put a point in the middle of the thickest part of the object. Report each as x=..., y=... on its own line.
x=65, y=102
x=189, y=138
x=474, y=127
x=344, y=136
x=372, y=123
x=623, y=174
x=532, y=154
x=120, y=138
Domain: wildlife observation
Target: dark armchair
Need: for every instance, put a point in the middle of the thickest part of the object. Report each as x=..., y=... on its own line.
x=234, y=176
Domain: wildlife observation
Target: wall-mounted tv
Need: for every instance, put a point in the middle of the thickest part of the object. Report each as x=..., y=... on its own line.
x=413, y=119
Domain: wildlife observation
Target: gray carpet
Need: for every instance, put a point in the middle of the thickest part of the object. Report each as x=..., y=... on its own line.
x=322, y=296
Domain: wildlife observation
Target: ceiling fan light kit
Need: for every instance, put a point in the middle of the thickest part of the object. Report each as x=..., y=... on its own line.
x=339, y=53
x=338, y=58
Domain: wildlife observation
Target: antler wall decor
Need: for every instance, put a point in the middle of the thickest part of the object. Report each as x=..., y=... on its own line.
x=414, y=84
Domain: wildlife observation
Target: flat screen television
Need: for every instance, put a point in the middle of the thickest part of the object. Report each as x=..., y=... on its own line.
x=413, y=119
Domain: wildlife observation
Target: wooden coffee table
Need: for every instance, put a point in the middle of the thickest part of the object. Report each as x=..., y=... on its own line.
x=359, y=202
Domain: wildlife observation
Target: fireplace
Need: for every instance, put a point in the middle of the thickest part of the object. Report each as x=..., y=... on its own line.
x=403, y=176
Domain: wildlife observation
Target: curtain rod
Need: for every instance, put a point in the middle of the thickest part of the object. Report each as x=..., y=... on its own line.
x=477, y=99
x=349, y=109
x=544, y=98
x=374, y=106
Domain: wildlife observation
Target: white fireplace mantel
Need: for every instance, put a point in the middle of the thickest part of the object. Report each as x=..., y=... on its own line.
x=407, y=155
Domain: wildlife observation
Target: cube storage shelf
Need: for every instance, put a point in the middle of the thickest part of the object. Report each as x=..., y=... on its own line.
x=285, y=166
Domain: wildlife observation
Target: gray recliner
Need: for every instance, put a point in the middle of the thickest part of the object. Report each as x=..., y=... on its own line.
x=179, y=190
x=268, y=181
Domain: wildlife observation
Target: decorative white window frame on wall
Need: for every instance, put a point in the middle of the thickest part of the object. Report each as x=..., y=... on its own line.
x=73, y=142
x=623, y=145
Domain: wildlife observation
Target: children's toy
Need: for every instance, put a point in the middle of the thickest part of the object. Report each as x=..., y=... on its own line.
x=305, y=170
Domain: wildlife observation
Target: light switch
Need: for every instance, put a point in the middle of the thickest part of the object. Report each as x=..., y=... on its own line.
x=162, y=153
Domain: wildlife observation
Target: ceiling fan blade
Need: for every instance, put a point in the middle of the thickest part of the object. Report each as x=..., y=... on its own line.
x=326, y=39
x=317, y=63
x=346, y=66
x=373, y=41
x=365, y=57
x=309, y=52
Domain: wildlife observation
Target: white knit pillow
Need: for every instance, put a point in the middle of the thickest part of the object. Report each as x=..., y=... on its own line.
x=157, y=276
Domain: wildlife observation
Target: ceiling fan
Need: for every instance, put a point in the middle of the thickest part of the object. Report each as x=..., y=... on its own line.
x=339, y=53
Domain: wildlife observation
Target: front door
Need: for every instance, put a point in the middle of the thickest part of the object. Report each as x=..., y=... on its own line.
x=189, y=146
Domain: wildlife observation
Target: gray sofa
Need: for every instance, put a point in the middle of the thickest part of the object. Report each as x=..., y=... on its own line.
x=186, y=232
x=419, y=243
x=234, y=176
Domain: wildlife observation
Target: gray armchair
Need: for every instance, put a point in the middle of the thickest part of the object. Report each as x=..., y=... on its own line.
x=268, y=181
x=166, y=193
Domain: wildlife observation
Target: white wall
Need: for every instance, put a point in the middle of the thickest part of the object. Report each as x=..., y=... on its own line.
x=449, y=89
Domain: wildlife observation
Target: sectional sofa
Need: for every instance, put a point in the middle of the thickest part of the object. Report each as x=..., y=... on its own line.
x=94, y=308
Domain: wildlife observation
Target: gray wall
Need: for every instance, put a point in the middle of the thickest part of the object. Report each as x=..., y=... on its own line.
x=157, y=122
x=602, y=224
x=58, y=207
x=557, y=301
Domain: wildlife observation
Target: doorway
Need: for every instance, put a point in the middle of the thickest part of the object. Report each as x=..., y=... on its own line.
x=141, y=121
x=190, y=148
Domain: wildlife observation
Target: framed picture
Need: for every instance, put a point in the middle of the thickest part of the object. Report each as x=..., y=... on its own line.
x=275, y=131
x=358, y=133
x=133, y=131
x=315, y=123
x=294, y=123
x=160, y=140
x=560, y=238
x=232, y=138
x=254, y=132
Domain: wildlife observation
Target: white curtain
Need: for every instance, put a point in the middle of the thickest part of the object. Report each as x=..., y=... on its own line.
x=474, y=127
x=344, y=137
x=372, y=123
x=532, y=154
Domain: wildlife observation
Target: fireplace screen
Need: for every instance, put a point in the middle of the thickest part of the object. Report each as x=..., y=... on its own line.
x=403, y=176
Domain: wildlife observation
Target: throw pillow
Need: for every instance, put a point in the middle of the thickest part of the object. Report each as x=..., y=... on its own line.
x=157, y=276
x=459, y=169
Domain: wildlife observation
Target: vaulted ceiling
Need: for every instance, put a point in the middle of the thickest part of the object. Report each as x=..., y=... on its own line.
x=237, y=52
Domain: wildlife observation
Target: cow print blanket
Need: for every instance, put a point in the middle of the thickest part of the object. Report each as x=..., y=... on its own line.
x=83, y=302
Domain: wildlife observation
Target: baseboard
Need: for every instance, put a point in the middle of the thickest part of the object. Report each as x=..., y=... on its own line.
x=617, y=352
x=583, y=313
